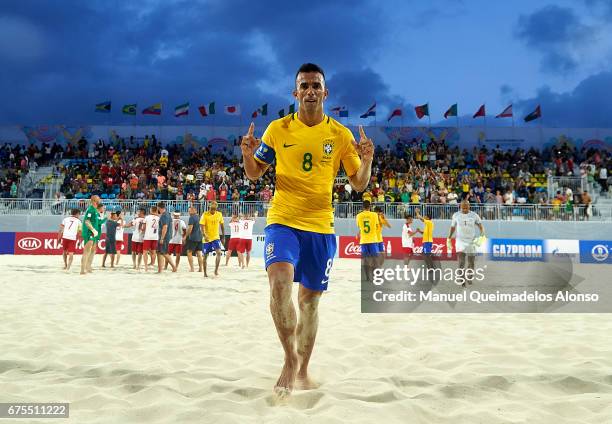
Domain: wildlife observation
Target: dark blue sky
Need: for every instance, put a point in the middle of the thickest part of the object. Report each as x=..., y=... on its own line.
x=59, y=58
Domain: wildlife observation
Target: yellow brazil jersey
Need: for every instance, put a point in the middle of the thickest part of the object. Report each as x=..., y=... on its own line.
x=381, y=221
x=368, y=224
x=307, y=161
x=211, y=222
x=428, y=232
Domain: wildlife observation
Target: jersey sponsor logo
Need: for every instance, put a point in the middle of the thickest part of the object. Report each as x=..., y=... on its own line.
x=288, y=145
x=349, y=248
x=352, y=249
x=595, y=251
x=517, y=250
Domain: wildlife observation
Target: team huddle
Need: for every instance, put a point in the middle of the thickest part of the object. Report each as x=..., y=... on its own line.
x=158, y=237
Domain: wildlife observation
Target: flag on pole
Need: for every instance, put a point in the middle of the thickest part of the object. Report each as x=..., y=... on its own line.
x=232, y=110
x=370, y=112
x=537, y=113
x=506, y=113
x=452, y=111
x=156, y=109
x=129, y=109
x=340, y=111
x=207, y=110
x=422, y=110
x=263, y=111
x=291, y=108
x=181, y=110
x=396, y=112
x=104, y=107
x=480, y=112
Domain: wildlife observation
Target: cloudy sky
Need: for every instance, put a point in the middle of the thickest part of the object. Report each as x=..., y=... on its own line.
x=59, y=58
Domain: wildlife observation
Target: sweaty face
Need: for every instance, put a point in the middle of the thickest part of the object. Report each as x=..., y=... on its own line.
x=310, y=90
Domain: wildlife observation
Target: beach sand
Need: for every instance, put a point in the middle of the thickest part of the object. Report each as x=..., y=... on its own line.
x=123, y=347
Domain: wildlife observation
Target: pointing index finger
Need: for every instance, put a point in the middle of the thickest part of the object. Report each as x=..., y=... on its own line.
x=362, y=133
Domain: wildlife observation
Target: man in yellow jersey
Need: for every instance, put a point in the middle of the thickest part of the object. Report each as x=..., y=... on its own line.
x=379, y=237
x=210, y=223
x=427, y=237
x=368, y=223
x=308, y=148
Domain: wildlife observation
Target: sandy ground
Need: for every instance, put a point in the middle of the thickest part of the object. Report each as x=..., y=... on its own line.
x=123, y=347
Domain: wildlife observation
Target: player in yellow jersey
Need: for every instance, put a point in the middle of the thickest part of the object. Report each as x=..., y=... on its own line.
x=427, y=237
x=368, y=223
x=210, y=223
x=379, y=237
x=308, y=148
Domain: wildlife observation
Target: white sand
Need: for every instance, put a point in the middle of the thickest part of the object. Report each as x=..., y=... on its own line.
x=123, y=347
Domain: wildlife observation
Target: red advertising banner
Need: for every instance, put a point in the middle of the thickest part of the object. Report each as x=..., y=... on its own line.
x=47, y=244
x=348, y=247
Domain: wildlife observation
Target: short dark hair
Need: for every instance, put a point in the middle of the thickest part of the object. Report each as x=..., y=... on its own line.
x=143, y=210
x=310, y=67
x=378, y=209
x=161, y=205
x=366, y=204
x=75, y=212
x=408, y=216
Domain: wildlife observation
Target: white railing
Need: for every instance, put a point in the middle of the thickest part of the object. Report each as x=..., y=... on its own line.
x=516, y=212
x=577, y=184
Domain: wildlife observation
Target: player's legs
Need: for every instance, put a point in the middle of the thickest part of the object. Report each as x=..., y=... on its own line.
x=145, y=253
x=228, y=255
x=200, y=260
x=177, y=256
x=134, y=254
x=113, y=257
x=248, y=248
x=308, y=301
x=119, y=246
x=471, y=259
x=240, y=259
x=104, y=260
x=70, y=258
x=217, y=261
x=87, y=247
x=65, y=258
x=204, y=257
x=280, y=276
x=92, y=254
x=168, y=260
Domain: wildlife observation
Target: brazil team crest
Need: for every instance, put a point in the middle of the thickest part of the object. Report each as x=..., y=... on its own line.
x=328, y=148
x=269, y=249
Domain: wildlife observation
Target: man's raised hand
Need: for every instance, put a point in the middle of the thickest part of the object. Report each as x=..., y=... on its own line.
x=249, y=142
x=365, y=148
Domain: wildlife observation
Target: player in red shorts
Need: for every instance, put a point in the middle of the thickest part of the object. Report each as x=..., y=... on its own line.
x=151, y=236
x=246, y=238
x=137, y=237
x=407, y=243
x=234, y=242
x=179, y=234
x=67, y=236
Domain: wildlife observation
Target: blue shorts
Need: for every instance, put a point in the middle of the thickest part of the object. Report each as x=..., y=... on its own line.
x=427, y=247
x=369, y=249
x=312, y=254
x=211, y=246
x=381, y=247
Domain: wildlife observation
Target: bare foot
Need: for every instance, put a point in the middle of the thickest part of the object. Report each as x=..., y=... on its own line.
x=284, y=384
x=83, y=273
x=303, y=382
x=174, y=269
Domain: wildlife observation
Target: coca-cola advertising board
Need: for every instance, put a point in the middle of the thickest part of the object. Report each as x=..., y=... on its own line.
x=47, y=244
x=348, y=247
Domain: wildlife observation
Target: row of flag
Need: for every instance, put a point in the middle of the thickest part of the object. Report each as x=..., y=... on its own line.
x=340, y=111
x=183, y=109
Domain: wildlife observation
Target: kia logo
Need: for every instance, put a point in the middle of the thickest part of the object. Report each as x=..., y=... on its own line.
x=29, y=243
x=352, y=249
x=600, y=252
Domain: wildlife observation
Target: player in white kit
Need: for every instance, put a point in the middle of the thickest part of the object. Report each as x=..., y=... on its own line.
x=137, y=237
x=246, y=239
x=179, y=233
x=465, y=223
x=69, y=229
x=234, y=241
x=408, y=232
x=151, y=236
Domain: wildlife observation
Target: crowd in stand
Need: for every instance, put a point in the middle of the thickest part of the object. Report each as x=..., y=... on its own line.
x=411, y=173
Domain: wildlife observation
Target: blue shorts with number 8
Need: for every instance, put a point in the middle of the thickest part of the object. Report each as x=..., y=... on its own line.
x=312, y=254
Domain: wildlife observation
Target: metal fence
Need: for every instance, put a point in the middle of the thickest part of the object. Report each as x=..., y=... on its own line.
x=576, y=184
x=516, y=212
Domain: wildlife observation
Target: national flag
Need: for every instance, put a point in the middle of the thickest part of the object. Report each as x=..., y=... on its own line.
x=480, y=112
x=340, y=111
x=281, y=113
x=396, y=112
x=263, y=111
x=452, y=111
x=156, y=109
x=207, y=110
x=506, y=113
x=291, y=108
x=537, y=113
x=422, y=110
x=104, y=107
x=181, y=110
x=232, y=110
x=129, y=109
x=370, y=112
